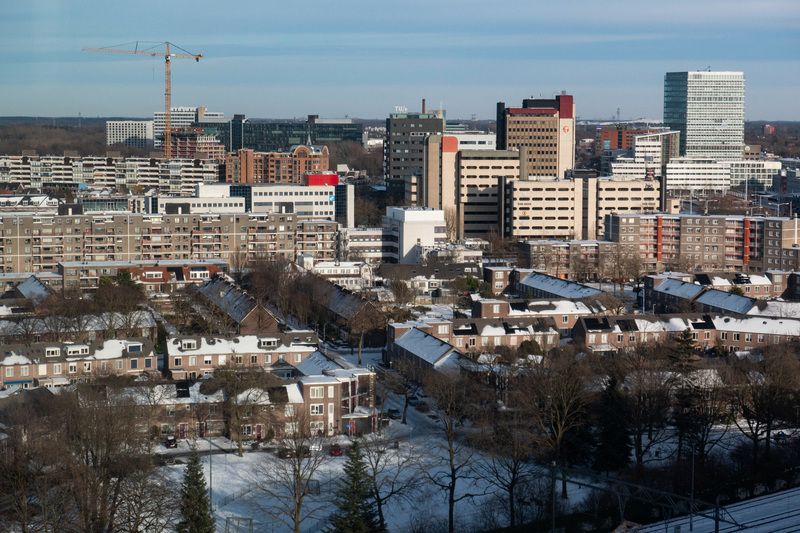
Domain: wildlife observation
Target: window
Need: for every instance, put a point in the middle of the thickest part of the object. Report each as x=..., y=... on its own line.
x=298, y=357
x=9, y=371
x=148, y=363
x=330, y=392
x=289, y=410
x=118, y=364
x=177, y=361
x=57, y=368
x=723, y=335
x=317, y=428
x=247, y=430
x=134, y=364
x=207, y=360
x=735, y=336
x=443, y=330
x=565, y=319
x=193, y=361
x=268, y=359
x=73, y=368
x=290, y=428
x=317, y=409
x=170, y=410
x=317, y=392
x=253, y=359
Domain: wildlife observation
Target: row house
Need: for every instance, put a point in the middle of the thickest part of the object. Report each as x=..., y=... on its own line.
x=242, y=313
x=279, y=353
x=340, y=401
x=39, y=242
x=611, y=334
x=422, y=350
x=564, y=313
x=181, y=409
x=58, y=363
x=483, y=334
x=536, y=285
x=87, y=328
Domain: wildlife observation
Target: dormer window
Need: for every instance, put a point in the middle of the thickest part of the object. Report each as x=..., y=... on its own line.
x=52, y=352
x=78, y=349
x=267, y=343
x=188, y=344
x=134, y=347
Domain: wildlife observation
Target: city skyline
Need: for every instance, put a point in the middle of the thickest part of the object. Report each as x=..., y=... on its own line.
x=285, y=61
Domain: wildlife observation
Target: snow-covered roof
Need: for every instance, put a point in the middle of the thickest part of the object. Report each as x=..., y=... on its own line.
x=34, y=290
x=315, y=364
x=243, y=344
x=233, y=302
x=762, y=325
x=775, y=308
x=678, y=288
x=726, y=301
x=550, y=307
x=426, y=347
x=560, y=287
x=294, y=393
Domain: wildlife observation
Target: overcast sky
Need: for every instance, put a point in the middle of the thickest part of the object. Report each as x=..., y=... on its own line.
x=283, y=59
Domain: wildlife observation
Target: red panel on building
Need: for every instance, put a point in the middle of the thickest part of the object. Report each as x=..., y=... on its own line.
x=564, y=106
x=317, y=180
x=746, y=254
x=449, y=144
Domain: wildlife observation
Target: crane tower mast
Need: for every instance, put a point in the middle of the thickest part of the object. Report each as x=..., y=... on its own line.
x=167, y=78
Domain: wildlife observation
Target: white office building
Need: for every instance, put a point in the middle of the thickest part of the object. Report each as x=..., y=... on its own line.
x=708, y=110
x=134, y=133
x=757, y=174
x=697, y=177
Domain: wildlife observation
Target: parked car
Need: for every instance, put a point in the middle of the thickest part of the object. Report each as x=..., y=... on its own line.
x=393, y=413
x=285, y=453
x=171, y=442
x=335, y=450
x=413, y=401
x=304, y=451
x=422, y=407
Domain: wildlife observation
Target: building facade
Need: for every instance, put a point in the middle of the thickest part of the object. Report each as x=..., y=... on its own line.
x=134, y=133
x=403, y=150
x=546, y=128
x=708, y=110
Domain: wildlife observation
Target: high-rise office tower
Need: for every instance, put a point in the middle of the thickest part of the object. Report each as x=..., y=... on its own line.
x=708, y=109
x=546, y=128
x=403, y=149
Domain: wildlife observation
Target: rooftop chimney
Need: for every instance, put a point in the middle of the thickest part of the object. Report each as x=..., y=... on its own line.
x=423, y=106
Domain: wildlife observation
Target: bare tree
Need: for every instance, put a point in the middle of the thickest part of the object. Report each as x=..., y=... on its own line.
x=402, y=291
x=149, y=502
x=392, y=473
x=363, y=322
x=451, y=223
x=284, y=486
x=454, y=457
x=509, y=446
x=246, y=394
x=405, y=381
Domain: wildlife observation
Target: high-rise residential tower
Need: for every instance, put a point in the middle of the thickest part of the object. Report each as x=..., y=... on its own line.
x=708, y=109
x=546, y=128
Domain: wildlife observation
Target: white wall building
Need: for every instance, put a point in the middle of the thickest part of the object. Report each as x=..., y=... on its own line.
x=697, y=177
x=412, y=226
x=135, y=133
x=317, y=201
x=758, y=174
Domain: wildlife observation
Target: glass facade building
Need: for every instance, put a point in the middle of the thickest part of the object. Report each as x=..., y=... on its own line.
x=708, y=110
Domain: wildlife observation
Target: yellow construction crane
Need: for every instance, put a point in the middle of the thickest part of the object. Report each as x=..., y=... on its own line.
x=167, y=77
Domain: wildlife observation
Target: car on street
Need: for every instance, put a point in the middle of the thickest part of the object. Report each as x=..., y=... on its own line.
x=422, y=407
x=171, y=442
x=413, y=401
x=393, y=413
x=335, y=450
x=285, y=452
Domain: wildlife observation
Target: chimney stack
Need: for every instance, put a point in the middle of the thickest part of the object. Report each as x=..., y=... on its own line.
x=423, y=106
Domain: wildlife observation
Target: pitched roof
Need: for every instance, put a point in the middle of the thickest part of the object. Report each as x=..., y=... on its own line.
x=426, y=347
x=34, y=290
x=233, y=302
x=560, y=287
x=726, y=301
x=678, y=288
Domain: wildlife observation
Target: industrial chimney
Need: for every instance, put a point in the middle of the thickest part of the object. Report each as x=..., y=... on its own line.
x=423, y=106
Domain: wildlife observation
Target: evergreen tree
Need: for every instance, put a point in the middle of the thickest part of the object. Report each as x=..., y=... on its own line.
x=356, y=511
x=195, y=505
x=682, y=353
x=613, y=430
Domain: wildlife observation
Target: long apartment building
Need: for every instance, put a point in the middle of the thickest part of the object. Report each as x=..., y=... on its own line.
x=708, y=243
x=34, y=243
x=177, y=177
x=249, y=166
